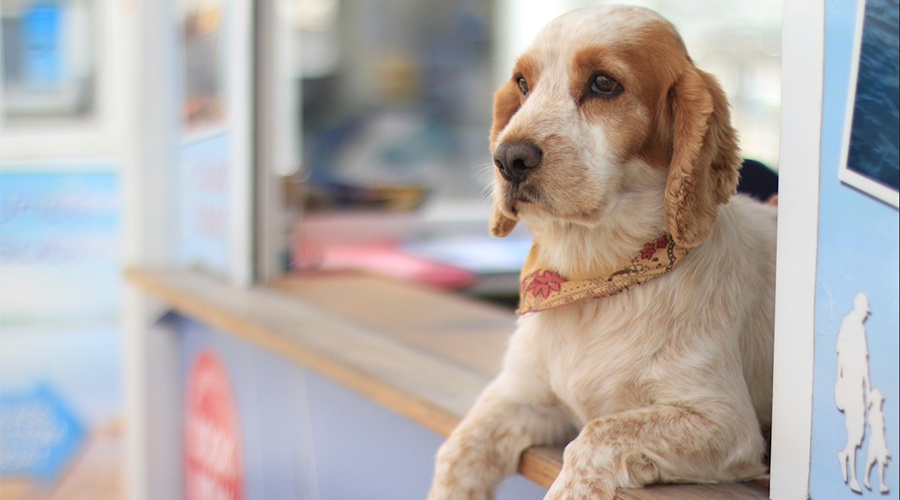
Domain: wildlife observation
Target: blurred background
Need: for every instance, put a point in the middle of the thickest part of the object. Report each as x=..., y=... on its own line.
x=252, y=140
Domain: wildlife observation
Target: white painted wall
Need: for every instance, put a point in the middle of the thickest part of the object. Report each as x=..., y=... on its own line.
x=802, y=56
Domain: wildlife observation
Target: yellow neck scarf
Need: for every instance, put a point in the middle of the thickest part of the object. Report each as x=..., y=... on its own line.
x=541, y=289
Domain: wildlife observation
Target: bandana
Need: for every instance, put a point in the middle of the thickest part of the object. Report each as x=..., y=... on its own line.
x=541, y=289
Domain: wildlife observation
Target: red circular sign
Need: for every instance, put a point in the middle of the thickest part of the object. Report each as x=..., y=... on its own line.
x=212, y=439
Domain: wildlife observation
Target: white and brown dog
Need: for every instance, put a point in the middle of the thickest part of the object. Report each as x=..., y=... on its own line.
x=648, y=299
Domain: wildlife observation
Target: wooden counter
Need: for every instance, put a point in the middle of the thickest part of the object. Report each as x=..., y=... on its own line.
x=421, y=353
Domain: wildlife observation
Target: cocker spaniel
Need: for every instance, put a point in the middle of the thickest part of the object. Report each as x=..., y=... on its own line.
x=646, y=319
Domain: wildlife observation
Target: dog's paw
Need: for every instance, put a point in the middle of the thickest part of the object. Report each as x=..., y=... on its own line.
x=582, y=487
x=455, y=493
x=459, y=485
x=459, y=488
x=460, y=474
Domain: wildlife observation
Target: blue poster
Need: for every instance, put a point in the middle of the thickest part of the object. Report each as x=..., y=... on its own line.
x=61, y=414
x=59, y=248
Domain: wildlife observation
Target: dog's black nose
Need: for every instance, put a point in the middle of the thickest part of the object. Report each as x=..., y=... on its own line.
x=516, y=160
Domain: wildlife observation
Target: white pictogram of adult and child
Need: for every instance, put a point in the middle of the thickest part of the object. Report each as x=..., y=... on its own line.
x=854, y=395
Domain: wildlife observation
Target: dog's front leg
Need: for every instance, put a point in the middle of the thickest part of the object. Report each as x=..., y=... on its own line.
x=486, y=446
x=660, y=443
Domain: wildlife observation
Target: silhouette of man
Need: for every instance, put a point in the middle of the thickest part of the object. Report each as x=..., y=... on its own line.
x=853, y=384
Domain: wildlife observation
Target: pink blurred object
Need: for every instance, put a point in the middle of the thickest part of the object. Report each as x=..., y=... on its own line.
x=385, y=259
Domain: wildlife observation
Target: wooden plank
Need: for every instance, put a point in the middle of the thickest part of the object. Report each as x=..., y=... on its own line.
x=751, y=490
x=420, y=353
x=422, y=387
x=469, y=333
x=541, y=464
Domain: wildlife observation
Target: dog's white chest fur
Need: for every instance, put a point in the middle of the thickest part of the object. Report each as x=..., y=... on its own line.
x=582, y=357
x=651, y=344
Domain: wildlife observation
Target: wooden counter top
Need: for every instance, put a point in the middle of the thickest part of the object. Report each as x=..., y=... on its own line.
x=421, y=353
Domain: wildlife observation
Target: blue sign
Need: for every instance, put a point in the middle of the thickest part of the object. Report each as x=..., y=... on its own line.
x=39, y=436
x=58, y=232
x=42, y=42
x=204, y=174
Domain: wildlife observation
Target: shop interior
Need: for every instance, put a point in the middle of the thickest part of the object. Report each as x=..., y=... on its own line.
x=393, y=155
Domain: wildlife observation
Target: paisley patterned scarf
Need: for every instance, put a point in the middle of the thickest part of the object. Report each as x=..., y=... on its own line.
x=541, y=289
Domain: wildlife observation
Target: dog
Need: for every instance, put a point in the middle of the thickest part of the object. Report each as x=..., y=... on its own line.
x=618, y=155
x=878, y=451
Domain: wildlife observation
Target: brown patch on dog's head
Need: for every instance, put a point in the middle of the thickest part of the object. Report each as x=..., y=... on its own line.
x=646, y=65
x=508, y=98
x=705, y=161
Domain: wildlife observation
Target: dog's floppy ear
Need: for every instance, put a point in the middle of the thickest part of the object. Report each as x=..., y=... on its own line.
x=500, y=225
x=506, y=103
x=705, y=159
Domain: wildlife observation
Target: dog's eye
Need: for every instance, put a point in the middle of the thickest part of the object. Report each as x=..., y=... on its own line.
x=605, y=86
x=523, y=85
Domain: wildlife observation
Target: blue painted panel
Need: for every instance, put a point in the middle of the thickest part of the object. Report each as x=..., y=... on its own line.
x=387, y=456
x=858, y=253
x=271, y=405
x=306, y=437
